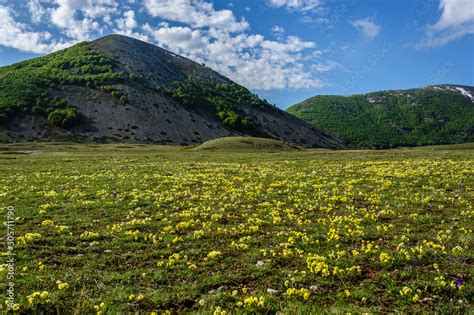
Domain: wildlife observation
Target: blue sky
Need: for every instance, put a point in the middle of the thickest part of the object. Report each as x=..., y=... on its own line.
x=284, y=50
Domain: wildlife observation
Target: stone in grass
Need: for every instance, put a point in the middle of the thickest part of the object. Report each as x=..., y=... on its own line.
x=272, y=291
x=262, y=262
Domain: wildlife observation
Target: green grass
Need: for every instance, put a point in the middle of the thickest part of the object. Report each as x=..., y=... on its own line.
x=202, y=232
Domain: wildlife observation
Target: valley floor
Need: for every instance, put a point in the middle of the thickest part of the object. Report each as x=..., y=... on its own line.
x=142, y=228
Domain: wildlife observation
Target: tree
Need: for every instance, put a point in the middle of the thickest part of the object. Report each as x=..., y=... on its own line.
x=64, y=118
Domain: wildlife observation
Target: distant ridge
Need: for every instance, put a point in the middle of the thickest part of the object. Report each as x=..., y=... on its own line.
x=433, y=114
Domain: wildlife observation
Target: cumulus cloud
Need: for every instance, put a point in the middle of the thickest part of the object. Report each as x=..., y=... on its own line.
x=195, y=13
x=181, y=39
x=127, y=25
x=249, y=59
x=456, y=21
x=64, y=16
x=17, y=35
x=368, y=28
x=36, y=10
x=296, y=5
x=128, y=22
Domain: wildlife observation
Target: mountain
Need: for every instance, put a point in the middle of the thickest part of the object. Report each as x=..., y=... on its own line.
x=119, y=89
x=435, y=114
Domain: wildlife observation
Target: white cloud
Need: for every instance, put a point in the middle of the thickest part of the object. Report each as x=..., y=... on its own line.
x=325, y=67
x=218, y=39
x=278, y=29
x=456, y=21
x=95, y=8
x=128, y=22
x=293, y=44
x=318, y=21
x=196, y=13
x=182, y=39
x=250, y=60
x=297, y=5
x=455, y=13
x=64, y=16
x=36, y=10
x=201, y=32
x=367, y=27
x=126, y=26
x=17, y=35
x=278, y=32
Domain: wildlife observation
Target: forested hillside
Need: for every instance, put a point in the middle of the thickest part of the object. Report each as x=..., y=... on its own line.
x=431, y=115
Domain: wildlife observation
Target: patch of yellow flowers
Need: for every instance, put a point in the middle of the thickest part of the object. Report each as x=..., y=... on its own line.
x=89, y=235
x=304, y=293
x=62, y=285
x=37, y=296
x=253, y=301
x=138, y=297
x=213, y=254
x=332, y=223
x=28, y=237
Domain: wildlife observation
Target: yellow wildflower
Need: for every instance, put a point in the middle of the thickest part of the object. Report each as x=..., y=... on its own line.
x=62, y=285
x=405, y=291
x=47, y=222
x=214, y=254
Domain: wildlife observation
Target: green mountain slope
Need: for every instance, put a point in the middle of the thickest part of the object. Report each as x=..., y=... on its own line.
x=24, y=86
x=120, y=89
x=431, y=115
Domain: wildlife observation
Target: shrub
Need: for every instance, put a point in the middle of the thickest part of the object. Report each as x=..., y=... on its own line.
x=117, y=94
x=123, y=99
x=190, y=93
x=247, y=121
x=108, y=88
x=64, y=118
x=234, y=120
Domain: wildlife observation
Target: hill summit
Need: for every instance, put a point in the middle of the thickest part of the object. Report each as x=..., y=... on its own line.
x=120, y=89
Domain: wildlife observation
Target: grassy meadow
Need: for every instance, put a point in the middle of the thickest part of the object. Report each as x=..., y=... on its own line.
x=126, y=228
